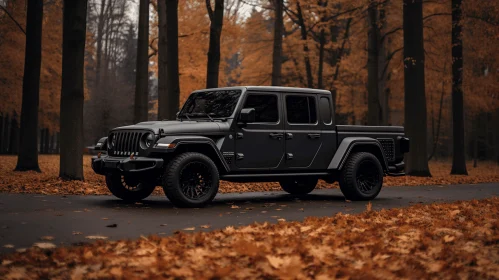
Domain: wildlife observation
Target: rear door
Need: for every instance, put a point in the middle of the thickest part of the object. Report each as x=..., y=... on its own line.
x=303, y=135
x=260, y=145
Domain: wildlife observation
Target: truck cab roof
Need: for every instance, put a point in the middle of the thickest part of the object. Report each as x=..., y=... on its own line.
x=271, y=89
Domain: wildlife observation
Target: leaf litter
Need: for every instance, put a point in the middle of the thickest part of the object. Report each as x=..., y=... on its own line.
x=418, y=242
x=48, y=182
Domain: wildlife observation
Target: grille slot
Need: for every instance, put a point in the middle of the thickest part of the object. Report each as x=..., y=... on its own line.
x=127, y=142
x=388, y=145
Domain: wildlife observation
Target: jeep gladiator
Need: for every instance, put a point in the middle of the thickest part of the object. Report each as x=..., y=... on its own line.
x=249, y=134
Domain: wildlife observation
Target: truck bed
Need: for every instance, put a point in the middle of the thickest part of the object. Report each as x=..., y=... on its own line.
x=365, y=128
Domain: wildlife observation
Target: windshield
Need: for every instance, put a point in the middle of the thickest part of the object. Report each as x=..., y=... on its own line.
x=211, y=104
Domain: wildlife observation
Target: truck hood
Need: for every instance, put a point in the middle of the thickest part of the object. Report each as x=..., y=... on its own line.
x=180, y=127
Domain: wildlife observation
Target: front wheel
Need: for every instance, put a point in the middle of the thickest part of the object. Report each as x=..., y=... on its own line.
x=128, y=188
x=191, y=180
x=299, y=186
x=362, y=177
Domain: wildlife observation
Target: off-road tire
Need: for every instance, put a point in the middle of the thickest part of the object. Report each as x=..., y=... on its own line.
x=132, y=193
x=361, y=178
x=180, y=191
x=299, y=186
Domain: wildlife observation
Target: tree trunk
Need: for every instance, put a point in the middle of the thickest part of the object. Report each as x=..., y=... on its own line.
x=46, y=146
x=142, y=74
x=6, y=135
x=100, y=32
x=383, y=61
x=72, y=95
x=42, y=141
x=322, y=42
x=414, y=86
x=162, y=62
x=58, y=142
x=458, y=156
x=51, y=143
x=374, y=113
x=216, y=19
x=28, y=154
x=2, y=140
x=173, y=82
x=277, y=50
x=14, y=136
x=496, y=136
x=475, y=140
x=304, y=36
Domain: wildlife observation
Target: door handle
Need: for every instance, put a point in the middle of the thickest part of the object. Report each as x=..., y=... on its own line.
x=314, y=135
x=289, y=136
x=276, y=135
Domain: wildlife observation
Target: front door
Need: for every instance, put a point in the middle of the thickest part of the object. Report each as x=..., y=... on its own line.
x=303, y=134
x=260, y=144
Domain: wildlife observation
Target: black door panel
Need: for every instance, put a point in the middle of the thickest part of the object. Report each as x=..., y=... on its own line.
x=260, y=145
x=302, y=125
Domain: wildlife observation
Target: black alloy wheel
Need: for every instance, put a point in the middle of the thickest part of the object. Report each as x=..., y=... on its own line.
x=361, y=178
x=191, y=180
x=129, y=188
x=195, y=180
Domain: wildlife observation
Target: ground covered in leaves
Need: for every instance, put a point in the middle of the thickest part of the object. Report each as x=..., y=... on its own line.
x=440, y=241
x=48, y=182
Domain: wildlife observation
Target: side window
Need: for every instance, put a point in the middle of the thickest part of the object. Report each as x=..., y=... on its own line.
x=301, y=109
x=325, y=109
x=265, y=107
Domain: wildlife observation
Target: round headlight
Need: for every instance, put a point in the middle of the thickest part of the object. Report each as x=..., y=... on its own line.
x=148, y=140
x=111, y=141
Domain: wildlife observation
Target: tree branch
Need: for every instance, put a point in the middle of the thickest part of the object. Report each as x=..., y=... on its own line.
x=13, y=19
x=210, y=10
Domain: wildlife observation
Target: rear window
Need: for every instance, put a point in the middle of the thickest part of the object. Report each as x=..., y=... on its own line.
x=325, y=108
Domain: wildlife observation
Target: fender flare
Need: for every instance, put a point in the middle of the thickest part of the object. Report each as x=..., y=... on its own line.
x=347, y=145
x=192, y=140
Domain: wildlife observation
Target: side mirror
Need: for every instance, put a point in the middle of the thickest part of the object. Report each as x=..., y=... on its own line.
x=247, y=115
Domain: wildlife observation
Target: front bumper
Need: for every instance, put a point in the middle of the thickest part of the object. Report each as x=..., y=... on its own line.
x=106, y=164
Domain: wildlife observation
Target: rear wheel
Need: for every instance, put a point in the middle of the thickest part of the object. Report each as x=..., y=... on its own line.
x=362, y=177
x=191, y=180
x=299, y=186
x=128, y=188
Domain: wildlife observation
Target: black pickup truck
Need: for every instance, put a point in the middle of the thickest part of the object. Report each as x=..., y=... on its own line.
x=249, y=134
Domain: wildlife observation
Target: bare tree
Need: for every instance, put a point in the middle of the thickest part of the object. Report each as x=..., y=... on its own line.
x=414, y=84
x=216, y=18
x=142, y=78
x=162, y=62
x=28, y=154
x=458, y=155
x=173, y=82
x=374, y=113
x=277, y=50
x=72, y=91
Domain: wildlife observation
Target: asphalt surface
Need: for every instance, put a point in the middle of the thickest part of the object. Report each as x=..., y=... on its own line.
x=25, y=218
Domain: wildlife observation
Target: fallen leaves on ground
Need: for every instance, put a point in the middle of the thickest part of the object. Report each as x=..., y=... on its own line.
x=48, y=182
x=442, y=241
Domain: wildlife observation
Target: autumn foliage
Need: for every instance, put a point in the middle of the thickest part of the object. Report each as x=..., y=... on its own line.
x=444, y=241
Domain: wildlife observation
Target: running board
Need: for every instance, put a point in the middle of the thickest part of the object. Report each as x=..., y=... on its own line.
x=268, y=177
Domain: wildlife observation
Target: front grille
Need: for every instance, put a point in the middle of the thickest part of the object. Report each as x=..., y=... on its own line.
x=127, y=142
x=388, y=145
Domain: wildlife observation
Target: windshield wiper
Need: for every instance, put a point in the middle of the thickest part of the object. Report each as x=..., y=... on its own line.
x=208, y=115
x=185, y=114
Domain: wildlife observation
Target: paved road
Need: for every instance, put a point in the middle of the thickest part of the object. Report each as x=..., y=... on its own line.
x=24, y=219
